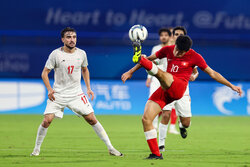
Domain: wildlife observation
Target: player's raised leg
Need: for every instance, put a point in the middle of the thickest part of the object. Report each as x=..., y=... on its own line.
x=41, y=133
x=152, y=109
x=100, y=131
x=165, y=78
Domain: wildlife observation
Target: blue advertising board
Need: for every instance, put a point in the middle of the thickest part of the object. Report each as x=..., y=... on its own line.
x=110, y=62
x=30, y=30
x=115, y=98
x=210, y=19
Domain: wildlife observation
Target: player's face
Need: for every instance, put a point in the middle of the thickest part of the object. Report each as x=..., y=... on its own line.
x=177, y=33
x=164, y=37
x=69, y=39
x=171, y=39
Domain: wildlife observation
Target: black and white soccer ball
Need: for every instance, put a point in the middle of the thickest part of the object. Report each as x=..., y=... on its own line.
x=138, y=32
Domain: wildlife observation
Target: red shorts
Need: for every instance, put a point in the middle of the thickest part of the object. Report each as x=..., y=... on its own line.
x=175, y=92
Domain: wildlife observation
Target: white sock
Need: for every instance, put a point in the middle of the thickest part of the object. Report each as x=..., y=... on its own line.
x=99, y=130
x=41, y=133
x=155, y=122
x=162, y=134
x=172, y=126
x=151, y=134
x=154, y=70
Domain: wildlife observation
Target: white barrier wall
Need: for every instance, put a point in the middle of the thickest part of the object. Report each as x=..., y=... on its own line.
x=113, y=97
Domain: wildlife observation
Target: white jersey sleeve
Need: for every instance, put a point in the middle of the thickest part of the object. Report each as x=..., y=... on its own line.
x=85, y=60
x=51, y=62
x=154, y=50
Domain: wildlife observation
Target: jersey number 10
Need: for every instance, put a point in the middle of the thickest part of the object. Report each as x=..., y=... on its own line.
x=174, y=68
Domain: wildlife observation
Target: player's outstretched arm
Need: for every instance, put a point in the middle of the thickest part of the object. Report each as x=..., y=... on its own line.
x=219, y=78
x=45, y=78
x=127, y=75
x=85, y=75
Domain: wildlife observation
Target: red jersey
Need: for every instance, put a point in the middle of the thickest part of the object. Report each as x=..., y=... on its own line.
x=181, y=67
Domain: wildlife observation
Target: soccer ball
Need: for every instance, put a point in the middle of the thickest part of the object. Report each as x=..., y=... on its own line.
x=138, y=32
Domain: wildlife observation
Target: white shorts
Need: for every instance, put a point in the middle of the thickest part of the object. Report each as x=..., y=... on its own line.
x=155, y=84
x=182, y=106
x=79, y=105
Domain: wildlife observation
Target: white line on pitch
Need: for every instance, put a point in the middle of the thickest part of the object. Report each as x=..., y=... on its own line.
x=58, y=149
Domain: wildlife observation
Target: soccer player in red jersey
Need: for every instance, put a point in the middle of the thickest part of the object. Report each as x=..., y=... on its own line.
x=181, y=61
x=181, y=107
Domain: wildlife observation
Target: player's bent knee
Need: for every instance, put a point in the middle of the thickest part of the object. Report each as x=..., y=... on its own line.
x=46, y=123
x=165, y=118
x=166, y=114
x=48, y=118
x=146, y=121
x=92, y=121
x=185, y=121
x=185, y=124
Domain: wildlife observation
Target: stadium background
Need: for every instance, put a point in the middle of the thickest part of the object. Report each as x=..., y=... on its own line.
x=30, y=31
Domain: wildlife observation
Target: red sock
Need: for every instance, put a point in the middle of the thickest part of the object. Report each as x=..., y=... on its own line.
x=147, y=64
x=173, y=117
x=153, y=145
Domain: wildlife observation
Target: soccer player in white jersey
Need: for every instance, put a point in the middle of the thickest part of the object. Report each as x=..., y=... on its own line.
x=182, y=106
x=152, y=82
x=68, y=63
x=173, y=116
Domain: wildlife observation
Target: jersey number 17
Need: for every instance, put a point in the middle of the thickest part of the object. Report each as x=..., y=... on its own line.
x=70, y=69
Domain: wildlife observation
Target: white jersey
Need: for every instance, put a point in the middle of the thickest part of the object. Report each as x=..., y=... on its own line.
x=162, y=64
x=67, y=68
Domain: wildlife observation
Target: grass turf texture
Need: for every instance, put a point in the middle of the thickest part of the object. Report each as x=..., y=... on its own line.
x=211, y=141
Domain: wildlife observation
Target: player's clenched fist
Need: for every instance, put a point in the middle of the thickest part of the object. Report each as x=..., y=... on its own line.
x=51, y=94
x=125, y=76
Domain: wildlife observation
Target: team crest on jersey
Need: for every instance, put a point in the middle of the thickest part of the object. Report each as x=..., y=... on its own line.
x=184, y=63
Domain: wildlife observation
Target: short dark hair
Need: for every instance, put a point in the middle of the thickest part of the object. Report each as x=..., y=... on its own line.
x=180, y=28
x=67, y=29
x=183, y=43
x=164, y=30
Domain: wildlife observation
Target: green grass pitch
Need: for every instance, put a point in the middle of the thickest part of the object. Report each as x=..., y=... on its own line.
x=71, y=142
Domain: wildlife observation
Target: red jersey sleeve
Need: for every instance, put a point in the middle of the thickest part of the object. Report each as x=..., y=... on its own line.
x=163, y=52
x=200, y=62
